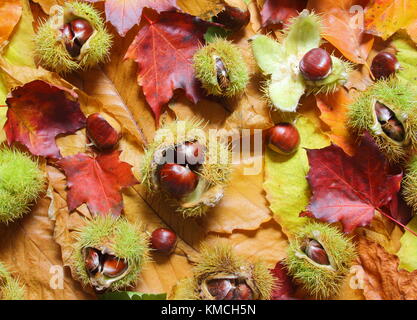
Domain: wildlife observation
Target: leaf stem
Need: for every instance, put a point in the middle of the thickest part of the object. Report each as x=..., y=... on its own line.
x=396, y=221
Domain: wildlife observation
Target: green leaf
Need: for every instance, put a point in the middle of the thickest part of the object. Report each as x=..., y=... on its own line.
x=303, y=34
x=407, y=56
x=286, y=186
x=268, y=53
x=408, y=250
x=214, y=33
x=130, y=295
x=286, y=91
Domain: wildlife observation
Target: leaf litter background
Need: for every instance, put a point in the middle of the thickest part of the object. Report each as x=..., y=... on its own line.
x=258, y=212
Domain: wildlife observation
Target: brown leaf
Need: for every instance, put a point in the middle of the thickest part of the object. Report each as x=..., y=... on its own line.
x=383, y=280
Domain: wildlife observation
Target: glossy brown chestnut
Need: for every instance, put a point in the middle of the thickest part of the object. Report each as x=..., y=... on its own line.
x=233, y=18
x=177, y=180
x=163, y=240
x=391, y=126
x=71, y=45
x=221, y=74
x=92, y=260
x=75, y=34
x=283, y=138
x=113, y=266
x=243, y=292
x=315, y=251
x=316, y=64
x=384, y=65
x=220, y=289
x=101, y=133
x=190, y=153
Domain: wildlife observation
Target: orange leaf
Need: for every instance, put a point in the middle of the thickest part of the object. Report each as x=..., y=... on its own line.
x=385, y=17
x=10, y=12
x=343, y=28
x=333, y=108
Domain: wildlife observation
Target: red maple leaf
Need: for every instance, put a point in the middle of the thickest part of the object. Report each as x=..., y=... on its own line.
x=284, y=287
x=163, y=50
x=350, y=189
x=38, y=112
x=280, y=11
x=124, y=14
x=97, y=182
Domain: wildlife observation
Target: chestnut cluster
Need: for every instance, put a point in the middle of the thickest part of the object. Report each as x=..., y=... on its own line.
x=179, y=175
x=283, y=138
x=75, y=34
x=229, y=289
x=107, y=264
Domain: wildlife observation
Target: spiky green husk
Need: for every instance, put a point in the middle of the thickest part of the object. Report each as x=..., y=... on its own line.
x=215, y=171
x=21, y=183
x=401, y=99
x=10, y=289
x=123, y=239
x=319, y=280
x=409, y=184
x=53, y=55
x=231, y=56
x=220, y=259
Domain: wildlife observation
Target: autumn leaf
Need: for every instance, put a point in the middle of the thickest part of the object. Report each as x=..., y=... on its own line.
x=97, y=181
x=38, y=112
x=349, y=189
x=382, y=279
x=10, y=12
x=124, y=14
x=280, y=11
x=343, y=28
x=284, y=287
x=408, y=253
x=407, y=56
x=385, y=17
x=333, y=108
x=163, y=50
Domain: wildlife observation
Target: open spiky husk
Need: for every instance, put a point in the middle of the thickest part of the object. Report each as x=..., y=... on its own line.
x=231, y=56
x=220, y=261
x=213, y=175
x=321, y=281
x=10, y=288
x=50, y=50
x=401, y=99
x=409, y=184
x=21, y=183
x=122, y=239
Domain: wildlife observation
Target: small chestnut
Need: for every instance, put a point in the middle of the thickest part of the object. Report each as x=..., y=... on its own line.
x=221, y=73
x=391, y=126
x=190, y=153
x=233, y=18
x=92, y=260
x=163, y=240
x=315, y=251
x=75, y=34
x=283, y=138
x=316, y=64
x=113, y=266
x=220, y=289
x=384, y=65
x=101, y=133
x=177, y=180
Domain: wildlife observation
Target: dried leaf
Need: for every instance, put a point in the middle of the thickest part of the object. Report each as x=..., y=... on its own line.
x=407, y=253
x=280, y=11
x=10, y=12
x=284, y=288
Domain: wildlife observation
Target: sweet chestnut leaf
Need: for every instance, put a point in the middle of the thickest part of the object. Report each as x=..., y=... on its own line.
x=97, y=182
x=349, y=189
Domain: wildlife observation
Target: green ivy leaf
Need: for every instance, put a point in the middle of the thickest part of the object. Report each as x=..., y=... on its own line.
x=130, y=295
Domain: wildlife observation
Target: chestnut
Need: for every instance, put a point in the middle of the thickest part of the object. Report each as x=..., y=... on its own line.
x=391, y=126
x=190, y=153
x=177, y=180
x=243, y=292
x=113, y=266
x=92, y=260
x=220, y=289
x=316, y=64
x=75, y=34
x=101, y=132
x=283, y=138
x=384, y=65
x=315, y=251
x=233, y=18
x=163, y=240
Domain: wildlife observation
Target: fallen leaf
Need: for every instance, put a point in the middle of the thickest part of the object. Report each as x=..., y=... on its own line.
x=285, y=183
x=333, y=108
x=412, y=31
x=284, y=288
x=343, y=28
x=407, y=57
x=280, y=11
x=385, y=17
x=349, y=189
x=124, y=14
x=97, y=181
x=10, y=12
x=382, y=280
x=407, y=253
x=163, y=49
x=38, y=112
